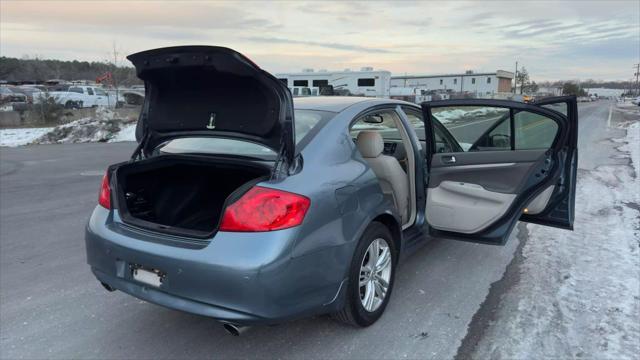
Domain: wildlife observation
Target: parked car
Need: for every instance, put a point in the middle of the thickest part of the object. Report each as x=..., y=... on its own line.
x=245, y=206
x=81, y=96
x=10, y=95
x=34, y=94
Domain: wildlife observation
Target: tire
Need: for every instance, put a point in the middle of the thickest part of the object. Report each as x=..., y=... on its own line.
x=69, y=105
x=354, y=312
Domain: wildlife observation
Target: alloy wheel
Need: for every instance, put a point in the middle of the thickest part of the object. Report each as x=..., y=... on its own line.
x=375, y=273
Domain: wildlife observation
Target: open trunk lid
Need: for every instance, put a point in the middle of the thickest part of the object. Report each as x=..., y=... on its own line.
x=212, y=91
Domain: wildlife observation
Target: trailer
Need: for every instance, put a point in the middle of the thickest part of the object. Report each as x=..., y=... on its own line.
x=366, y=82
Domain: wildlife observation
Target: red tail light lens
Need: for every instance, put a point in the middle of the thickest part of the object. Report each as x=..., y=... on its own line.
x=264, y=209
x=104, y=199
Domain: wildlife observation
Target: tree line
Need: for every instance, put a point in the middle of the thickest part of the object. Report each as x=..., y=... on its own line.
x=36, y=69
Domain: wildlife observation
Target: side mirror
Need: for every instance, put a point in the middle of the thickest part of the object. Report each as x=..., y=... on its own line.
x=500, y=141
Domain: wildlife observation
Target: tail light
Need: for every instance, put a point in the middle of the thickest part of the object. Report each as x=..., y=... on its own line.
x=104, y=199
x=264, y=209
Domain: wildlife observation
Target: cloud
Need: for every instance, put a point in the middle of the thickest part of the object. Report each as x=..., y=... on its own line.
x=336, y=46
x=550, y=39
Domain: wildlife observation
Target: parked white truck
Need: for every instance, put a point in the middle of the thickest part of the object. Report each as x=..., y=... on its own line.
x=81, y=96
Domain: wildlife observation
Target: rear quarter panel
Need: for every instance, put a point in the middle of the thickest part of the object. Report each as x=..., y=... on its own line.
x=345, y=197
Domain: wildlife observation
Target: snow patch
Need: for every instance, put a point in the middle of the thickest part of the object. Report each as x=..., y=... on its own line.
x=127, y=133
x=18, y=137
x=462, y=114
x=579, y=292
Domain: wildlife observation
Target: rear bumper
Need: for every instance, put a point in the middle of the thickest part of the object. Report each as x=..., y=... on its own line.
x=241, y=278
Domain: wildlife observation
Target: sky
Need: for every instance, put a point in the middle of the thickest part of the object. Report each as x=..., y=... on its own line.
x=554, y=40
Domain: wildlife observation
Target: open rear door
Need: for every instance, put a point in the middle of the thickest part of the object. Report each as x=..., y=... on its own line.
x=518, y=161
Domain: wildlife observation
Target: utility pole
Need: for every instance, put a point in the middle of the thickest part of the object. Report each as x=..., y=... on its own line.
x=637, y=66
x=515, y=79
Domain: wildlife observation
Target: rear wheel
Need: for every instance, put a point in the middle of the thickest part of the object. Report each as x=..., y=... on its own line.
x=371, y=277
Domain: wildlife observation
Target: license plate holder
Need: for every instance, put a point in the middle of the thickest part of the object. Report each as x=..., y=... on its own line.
x=147, y=276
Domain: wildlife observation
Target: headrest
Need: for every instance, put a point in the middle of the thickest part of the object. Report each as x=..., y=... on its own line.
x=370, y=143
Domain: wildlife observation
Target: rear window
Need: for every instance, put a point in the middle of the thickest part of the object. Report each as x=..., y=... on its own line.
x=305, y=121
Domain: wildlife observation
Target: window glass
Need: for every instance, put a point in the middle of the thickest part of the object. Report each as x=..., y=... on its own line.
x=559, y=107
x=296, y=91
x=75, y=90
x=367, y=82
x=533, y=131
x=300, y=82
x=318, y=83
x=100, y=92
x=468, y=124
x=455, y=81
x=499, y=138
x=305, y=121
x=89, y=91
x=440, y=81
x=443, y=143
x=473, y=80
x=488, y=80
x=383, y=122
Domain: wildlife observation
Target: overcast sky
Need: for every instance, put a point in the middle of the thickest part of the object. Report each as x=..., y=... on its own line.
x=553, y=40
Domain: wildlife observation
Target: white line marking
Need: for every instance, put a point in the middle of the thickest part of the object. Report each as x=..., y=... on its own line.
x=609, y=119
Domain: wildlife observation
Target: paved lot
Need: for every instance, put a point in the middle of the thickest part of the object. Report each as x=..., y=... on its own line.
x=51, y=306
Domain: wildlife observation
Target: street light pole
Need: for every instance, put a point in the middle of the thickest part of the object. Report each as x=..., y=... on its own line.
x=637, y=66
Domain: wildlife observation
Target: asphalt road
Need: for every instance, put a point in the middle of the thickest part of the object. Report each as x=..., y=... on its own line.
x=52, y=307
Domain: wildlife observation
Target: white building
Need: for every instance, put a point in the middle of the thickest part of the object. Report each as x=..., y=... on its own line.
x=366, y=82
x=605, y=92
x=479, y=84
x=549, y=90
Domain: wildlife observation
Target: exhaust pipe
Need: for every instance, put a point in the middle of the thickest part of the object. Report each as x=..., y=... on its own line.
x=108, y=287
x=235, y=329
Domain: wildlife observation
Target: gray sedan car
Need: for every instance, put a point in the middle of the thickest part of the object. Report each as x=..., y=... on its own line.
x=246, y=206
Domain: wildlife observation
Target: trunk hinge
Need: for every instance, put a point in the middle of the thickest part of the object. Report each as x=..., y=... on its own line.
x=138, y=153
x=281, y=166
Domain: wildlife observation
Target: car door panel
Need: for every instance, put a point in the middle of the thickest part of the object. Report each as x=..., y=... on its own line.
x=480, y=195
x=498, y=171
x=451, y=201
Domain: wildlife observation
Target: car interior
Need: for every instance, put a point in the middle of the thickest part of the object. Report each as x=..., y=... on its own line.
x=477, y=181
x=481, y=183
x=384, y=144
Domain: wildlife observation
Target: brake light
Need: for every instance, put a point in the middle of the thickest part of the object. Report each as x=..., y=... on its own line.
x=104, y=199
x=264, y=209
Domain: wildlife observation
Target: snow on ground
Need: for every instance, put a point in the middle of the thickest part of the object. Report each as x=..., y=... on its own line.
x=579, y=292
x=127, y=133
x=18, y=137
x=103, y=127
x=448, y=115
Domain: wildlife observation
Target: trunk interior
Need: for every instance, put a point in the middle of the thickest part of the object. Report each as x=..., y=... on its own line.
x=182, y=195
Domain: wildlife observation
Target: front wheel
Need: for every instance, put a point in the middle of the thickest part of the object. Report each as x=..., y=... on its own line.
x=371, y=277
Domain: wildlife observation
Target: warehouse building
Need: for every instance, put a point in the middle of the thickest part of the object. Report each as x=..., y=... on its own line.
x=478, y=84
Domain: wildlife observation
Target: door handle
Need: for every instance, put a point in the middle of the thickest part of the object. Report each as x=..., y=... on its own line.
x=448, y=159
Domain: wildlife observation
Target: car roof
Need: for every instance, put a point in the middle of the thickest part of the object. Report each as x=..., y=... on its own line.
x=339, y=103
